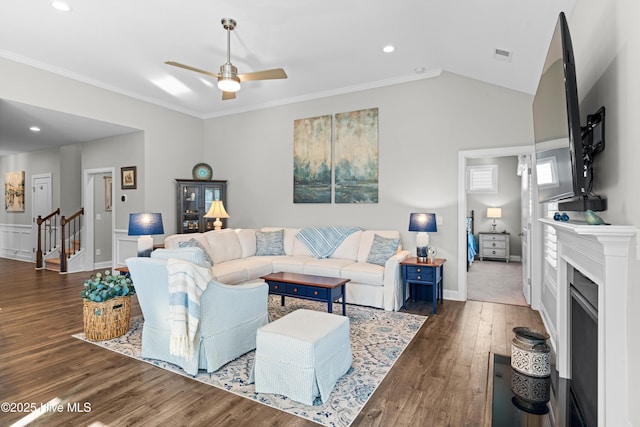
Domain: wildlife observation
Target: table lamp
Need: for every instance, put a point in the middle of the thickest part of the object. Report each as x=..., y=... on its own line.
x=217, y=211
x=144, y=225
x=423, y=223
x=494, y=213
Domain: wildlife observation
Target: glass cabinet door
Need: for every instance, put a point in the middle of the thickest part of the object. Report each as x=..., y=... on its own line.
x=211, y=193
x=190, y=209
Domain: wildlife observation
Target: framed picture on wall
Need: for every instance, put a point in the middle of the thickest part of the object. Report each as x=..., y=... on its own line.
x=108, y=196
x=128, y=180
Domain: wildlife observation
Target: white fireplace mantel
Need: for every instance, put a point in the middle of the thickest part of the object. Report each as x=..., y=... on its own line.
x=601, y=253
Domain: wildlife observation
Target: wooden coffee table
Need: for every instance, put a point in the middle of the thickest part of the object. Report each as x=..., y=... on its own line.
x=306, y=286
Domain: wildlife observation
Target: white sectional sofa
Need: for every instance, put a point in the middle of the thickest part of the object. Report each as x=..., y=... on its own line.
x=235, y=261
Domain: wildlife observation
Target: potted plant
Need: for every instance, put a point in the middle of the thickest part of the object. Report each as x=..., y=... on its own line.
x=106, y=305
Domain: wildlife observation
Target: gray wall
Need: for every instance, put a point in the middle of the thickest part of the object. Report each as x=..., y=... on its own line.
x=606, y=43
x=422, y=126
x=508, y=198
x=172, y=141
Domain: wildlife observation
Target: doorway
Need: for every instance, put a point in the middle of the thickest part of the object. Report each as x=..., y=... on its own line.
x=100, y=214
x=526, y=232
x=42, y=202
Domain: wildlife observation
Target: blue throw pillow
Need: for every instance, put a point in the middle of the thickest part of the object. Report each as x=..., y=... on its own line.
x=193, y=243
x=382, y=249
x=269, y=243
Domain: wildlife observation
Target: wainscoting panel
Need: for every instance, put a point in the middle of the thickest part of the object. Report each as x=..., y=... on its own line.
x=126, y=247
x=15, y=242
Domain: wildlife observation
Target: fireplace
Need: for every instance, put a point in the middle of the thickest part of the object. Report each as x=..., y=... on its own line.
x=584, y=349
x=601, y=255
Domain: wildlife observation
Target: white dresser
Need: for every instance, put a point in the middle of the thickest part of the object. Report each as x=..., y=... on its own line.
x=494, y=245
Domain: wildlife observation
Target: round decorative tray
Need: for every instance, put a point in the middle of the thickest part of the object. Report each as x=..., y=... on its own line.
x=202, y=171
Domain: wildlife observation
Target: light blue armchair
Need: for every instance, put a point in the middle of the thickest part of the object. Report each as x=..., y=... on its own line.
x=229, y=317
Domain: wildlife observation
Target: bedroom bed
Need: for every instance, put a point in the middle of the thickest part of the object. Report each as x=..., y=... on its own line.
x=472, y=249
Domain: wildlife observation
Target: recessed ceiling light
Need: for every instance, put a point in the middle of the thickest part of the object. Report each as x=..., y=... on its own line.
x=34, y=129
x=419, y=70
x=388, y=48
x=60, y=5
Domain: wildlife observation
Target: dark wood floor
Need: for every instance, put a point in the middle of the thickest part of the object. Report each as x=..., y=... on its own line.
x=439, y=380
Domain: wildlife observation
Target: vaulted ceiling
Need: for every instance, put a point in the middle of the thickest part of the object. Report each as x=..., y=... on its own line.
x=326, y=46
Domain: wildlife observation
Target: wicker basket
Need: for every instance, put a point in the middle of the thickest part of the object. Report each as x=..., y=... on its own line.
x=107, y=320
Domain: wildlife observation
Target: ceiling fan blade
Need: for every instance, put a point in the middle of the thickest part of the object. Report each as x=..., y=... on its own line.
x=228, y=95
x=276, y=73
x=190, y=68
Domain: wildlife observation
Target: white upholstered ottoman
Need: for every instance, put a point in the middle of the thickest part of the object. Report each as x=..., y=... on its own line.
x=302, y=355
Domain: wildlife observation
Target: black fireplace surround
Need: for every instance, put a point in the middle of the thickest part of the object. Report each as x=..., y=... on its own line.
x=584, y=350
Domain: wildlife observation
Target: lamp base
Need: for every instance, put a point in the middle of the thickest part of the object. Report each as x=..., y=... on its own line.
x=145, y=246
x=422, y=253
x=217, y=224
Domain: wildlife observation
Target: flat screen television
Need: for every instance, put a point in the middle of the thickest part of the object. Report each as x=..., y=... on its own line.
x=565, y=149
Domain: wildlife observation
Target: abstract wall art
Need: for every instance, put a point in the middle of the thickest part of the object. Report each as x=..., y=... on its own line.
x=14, y=191
x=356, y=157
x=312, y=160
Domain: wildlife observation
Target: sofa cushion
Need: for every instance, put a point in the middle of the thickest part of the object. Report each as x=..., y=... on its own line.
x=224, y=245
x=173, y=241
x=348, y=249
x=382, y=249
x=269, y=243
x=366, y=241
x=192, y=254
x=363, y=272
x=256, y=266
x=193, y=243
x=290, y=264
x=329, y=267
x=300, y=249
x=247, y=237
x=230, y=272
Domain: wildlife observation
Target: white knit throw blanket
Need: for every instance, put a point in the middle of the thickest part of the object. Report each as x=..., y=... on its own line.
x=187, y=282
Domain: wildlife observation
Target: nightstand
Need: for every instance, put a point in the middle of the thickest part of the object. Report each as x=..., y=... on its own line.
x=494, y=245
x=416, y=272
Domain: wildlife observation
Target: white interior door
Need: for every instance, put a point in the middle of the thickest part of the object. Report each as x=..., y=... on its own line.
x=42, y=202
x=525, y=234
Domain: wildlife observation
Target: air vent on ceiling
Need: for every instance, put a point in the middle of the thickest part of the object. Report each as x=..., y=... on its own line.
x=502, y=55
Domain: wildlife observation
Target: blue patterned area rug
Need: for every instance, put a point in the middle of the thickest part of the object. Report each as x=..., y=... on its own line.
x=378, y=338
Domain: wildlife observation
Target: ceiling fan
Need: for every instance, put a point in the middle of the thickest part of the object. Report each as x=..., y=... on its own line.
x=228, y=79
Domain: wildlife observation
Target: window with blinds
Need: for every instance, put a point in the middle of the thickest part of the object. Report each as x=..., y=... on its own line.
x=482, y=179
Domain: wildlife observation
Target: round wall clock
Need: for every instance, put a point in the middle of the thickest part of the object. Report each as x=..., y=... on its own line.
x=202, y=171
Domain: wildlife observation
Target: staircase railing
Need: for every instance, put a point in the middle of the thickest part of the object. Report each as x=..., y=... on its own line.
x=47, y=234
x=71, y=228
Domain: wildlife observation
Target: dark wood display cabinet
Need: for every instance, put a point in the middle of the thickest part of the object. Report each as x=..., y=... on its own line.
x=194, y=199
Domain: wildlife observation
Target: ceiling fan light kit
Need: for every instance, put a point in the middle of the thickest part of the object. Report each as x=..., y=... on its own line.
x=228, y=78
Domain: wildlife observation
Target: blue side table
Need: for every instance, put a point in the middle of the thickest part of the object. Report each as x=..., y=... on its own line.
x=416, y=272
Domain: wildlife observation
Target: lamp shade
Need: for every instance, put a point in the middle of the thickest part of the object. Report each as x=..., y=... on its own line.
x=423, y=222
x=494, y=212
x=145, y=224
x=217, y=210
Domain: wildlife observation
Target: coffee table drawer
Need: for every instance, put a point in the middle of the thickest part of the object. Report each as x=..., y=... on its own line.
x=277, y=288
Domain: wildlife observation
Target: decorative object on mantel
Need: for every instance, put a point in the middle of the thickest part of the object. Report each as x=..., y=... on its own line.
x=561, y=216
x=494, y=213
x=593, y=219
x=423, y=223
x=202, y=171
x=217, y=211
x=106, y=306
